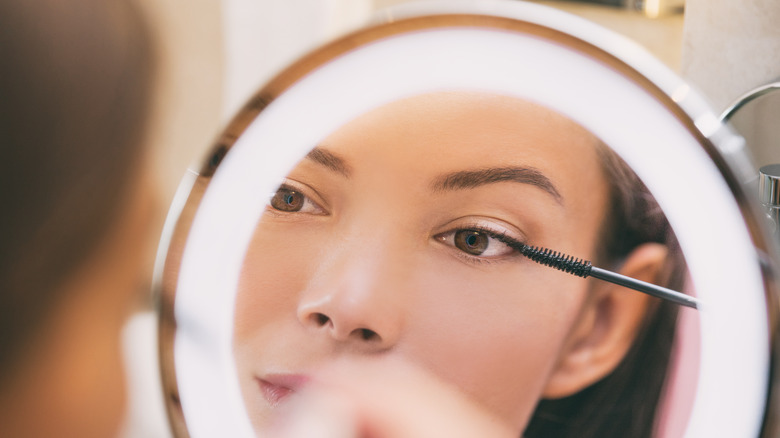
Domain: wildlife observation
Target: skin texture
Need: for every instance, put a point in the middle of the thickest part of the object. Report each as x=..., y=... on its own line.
x=71, y=383
x=368, y=265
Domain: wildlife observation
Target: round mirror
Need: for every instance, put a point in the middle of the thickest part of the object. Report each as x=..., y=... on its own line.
x=377, y=198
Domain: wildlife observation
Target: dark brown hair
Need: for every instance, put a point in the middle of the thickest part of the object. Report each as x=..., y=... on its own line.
x=624, y=402
x=75, y=82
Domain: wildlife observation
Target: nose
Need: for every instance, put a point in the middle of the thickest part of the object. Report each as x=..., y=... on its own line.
x=356, y=298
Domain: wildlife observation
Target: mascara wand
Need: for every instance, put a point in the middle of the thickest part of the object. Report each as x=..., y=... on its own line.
x=584, y=269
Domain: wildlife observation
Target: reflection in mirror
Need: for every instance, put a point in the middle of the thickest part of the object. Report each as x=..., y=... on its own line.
x=391, y=239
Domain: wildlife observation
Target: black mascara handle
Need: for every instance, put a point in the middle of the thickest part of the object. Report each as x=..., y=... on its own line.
x=648, y=288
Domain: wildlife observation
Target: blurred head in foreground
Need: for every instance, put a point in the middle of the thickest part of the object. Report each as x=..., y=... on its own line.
x=74, y=95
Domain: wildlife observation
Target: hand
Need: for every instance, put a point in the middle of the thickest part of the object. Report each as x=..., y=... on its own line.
x=371, y=398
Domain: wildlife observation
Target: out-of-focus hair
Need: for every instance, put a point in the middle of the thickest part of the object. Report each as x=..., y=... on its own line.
x=75, y=89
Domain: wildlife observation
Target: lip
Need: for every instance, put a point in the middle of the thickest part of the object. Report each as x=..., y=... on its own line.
x=277, y=387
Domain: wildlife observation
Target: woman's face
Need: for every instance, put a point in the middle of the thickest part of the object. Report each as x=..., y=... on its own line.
x=387, y=240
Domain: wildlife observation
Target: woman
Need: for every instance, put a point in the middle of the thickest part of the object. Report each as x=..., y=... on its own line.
x=392, y=240
x=74, y=96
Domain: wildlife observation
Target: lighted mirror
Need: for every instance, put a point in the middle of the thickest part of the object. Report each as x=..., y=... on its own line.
x=377, y=197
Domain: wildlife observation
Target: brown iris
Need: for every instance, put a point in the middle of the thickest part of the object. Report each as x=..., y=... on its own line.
x=287, y=200
x=471, y=241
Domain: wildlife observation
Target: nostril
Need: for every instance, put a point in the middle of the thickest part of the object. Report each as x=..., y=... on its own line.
x=321, y=319
x=364, y=334
x=367, y=335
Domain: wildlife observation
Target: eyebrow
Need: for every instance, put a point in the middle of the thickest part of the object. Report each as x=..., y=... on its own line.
x=469, y=179
x=329, y=160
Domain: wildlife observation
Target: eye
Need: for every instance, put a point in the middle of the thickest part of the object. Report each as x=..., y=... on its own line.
x=287, y=200
x=478, y=243
x=471, y=241
x=290, y=200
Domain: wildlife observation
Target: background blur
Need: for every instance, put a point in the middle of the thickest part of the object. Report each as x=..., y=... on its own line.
x=215, y=54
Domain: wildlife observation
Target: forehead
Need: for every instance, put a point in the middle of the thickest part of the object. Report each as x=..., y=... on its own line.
x=453, y=131
x=403, y=146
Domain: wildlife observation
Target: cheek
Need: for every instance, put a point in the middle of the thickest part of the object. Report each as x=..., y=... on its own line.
x=275, y=272
x=494, y=332
x=276, y=269
x=496, y=335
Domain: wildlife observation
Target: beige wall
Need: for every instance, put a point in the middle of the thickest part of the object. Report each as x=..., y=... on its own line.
x=661, y=36
x=729, y=48
x=189, y=93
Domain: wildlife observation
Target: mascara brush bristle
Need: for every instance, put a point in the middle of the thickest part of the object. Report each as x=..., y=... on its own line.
x=560, y=261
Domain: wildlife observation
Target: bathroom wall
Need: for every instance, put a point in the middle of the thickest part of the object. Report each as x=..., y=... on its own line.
x=730, y=47
x=661, y=36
